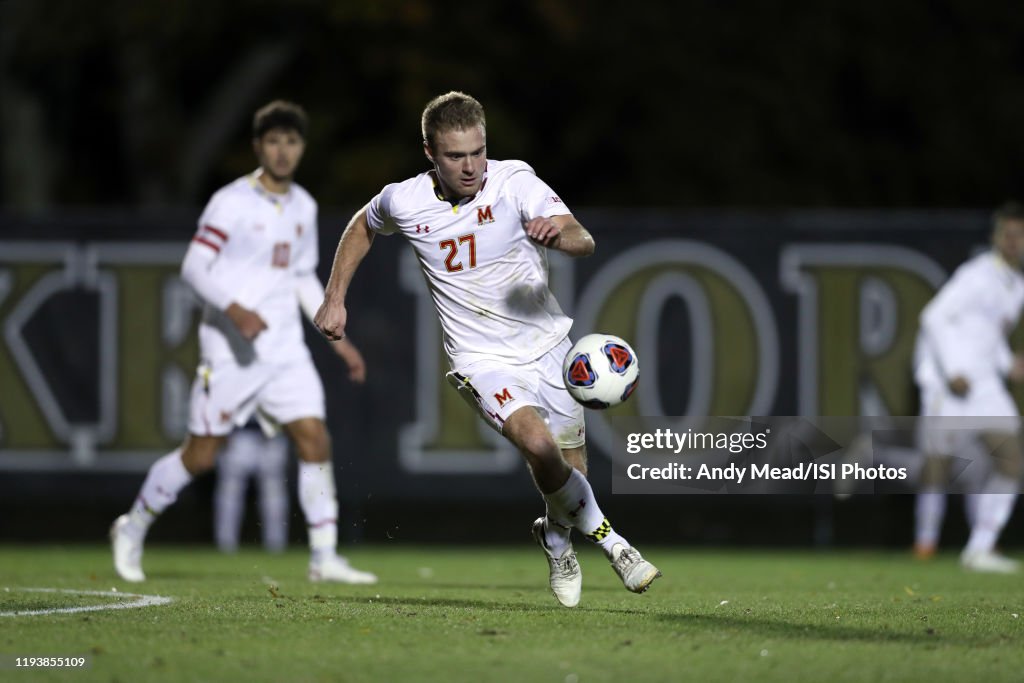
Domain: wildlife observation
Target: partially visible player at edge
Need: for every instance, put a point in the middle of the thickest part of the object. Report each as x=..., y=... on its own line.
x=480, y=229
x=253, y=262
x=962, y=362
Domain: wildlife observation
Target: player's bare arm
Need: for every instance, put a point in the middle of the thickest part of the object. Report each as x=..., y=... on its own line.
x=353, y=359
x=563, y=233
x=352, y=249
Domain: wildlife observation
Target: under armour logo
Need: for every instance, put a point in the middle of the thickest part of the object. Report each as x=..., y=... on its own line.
x=575, y=512
x=422, y=228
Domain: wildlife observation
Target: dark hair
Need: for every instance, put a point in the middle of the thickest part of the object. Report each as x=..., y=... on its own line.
x=280, y=114
x=451, y=111
x=1008, y=211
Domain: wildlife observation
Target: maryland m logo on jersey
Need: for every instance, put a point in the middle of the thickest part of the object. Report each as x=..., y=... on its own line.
x=484, y=215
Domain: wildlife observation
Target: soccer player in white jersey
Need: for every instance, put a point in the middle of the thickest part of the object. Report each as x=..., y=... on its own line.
x=253, y=262
x=480, y=229
x=250, y=455
x=962, y=362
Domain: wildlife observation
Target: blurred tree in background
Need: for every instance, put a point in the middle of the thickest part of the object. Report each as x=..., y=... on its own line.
x=716, y=103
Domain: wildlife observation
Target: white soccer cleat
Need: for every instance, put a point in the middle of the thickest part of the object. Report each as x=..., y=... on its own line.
x=337, y=569
x=636, y=573
x=991, y=562
x=564, y=575
x=127, y=551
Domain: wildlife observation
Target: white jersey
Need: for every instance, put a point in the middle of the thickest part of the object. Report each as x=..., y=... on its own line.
x=489, y=282
x=964, y=328
x=264, y=242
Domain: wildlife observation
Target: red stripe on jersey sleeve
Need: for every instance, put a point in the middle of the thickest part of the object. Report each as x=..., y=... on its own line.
x=211, y=245
x=216, y=231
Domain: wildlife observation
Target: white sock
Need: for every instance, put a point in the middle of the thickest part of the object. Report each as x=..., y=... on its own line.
x=929, y=511
x=556, y=535
x=165, y=479
x=320, y=505
x=994, y=509
x=274, y=494
x=574, y=505
x=228, y=501
x=236, y=464
x=274, y=513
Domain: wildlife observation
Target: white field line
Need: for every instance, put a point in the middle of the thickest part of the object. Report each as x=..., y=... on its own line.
x=139, y=601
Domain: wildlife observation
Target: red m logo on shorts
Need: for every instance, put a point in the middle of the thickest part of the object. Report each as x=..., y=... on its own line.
x=503, y=396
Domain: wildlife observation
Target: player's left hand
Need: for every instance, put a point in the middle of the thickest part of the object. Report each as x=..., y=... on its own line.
x=543, y=231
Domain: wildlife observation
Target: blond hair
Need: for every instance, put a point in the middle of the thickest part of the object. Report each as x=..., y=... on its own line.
x=451, y=111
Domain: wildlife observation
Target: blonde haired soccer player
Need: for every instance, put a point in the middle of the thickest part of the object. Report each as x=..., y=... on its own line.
x=480, y=229
x=962, y=362
x=253, y=262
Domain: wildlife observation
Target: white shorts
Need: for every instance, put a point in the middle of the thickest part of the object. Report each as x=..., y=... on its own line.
x=226, y=395
x=496, y=390
x=948, y=420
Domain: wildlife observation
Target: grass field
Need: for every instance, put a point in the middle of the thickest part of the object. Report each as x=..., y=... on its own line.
x=485, y=614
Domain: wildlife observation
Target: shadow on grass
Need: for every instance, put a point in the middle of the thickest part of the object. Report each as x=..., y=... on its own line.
x=490, y=605
x=792, y=630
x=701, y=623
x=526, y=587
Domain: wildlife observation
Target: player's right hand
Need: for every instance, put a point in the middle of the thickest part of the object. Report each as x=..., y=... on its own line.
x=959, y=385
x=249, y=323
x=330, y=319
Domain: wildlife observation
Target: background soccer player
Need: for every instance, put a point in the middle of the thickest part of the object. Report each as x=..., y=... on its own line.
x=480, y=229
x=253, y=262
x=251, y=456
x=963, y=361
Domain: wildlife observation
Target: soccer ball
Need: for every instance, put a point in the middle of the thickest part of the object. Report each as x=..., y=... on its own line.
x=600, y=371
